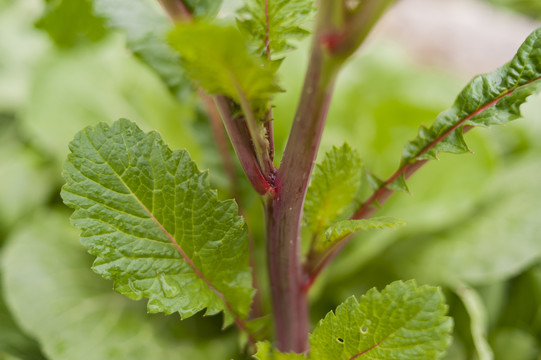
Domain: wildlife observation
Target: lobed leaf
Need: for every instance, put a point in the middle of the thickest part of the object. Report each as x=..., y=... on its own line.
x=342, y=229
x=334, y=184
x=155, y=226
x=217, y=58
x=272, y=26
x=490, y=99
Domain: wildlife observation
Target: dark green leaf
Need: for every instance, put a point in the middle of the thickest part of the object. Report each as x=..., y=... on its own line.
x=153, y=222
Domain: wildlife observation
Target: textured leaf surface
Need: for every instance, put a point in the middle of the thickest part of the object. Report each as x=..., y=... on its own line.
x=404, y=321
x=490, y=99
x=156, y=227
x=217, y=58
x=272, y=25
x=69, y=22
x=342, y=229
x=146, y=26
x=333, y=187
x=74, y=314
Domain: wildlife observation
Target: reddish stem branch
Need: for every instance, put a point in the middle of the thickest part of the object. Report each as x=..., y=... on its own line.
x=368, y=208
x=176, y=10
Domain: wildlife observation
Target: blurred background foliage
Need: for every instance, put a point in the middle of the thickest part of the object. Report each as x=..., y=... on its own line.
x=473, y=221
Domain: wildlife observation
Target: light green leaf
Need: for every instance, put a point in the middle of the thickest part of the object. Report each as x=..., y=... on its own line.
x=404, y=321
x=153, y=222
x=71, y=22
x=146, y=27
x=342, y=229
x=399, y=184
x=272, y=25
x=490, y=99
x=217, y=58
x=265, y=352
x=74, y=314
x=335, y=183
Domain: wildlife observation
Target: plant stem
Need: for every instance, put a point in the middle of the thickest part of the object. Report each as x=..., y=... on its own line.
x=284, y=212
x=176, y=10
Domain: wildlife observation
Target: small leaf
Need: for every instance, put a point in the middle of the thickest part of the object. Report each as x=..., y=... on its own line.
x=155, y=226
x=273, y=25
x=404, y=321
x=342, y=229
x=491, y=99
x=71, y=22
x=203, y=8
x=335, y=182
x=399, y=185
x=373, y=182
x=217, y=58
x=265, y=352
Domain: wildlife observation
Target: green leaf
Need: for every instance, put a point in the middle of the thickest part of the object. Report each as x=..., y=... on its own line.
x=153, y=222
x=273, y=25
x=217, y=58
x=74, y=314
x=146, y=27
x=72, y=22
x=491, y=99
x=334, y=185
x=265, y=352
x=399, y=184
x=342, y=229
x=404, y=321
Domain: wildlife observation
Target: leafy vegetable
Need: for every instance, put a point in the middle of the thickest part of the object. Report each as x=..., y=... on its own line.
x=272, y=25
x=154, y=224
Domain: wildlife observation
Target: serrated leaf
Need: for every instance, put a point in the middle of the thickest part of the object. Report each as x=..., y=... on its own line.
x=342, y=229
x=146, y=27
x=74, y=314
x=71, y=22
x=272, y=26
x=155, y=226
x=334, y=184
x=217, y=58
x=490, y=99
x=403, y=321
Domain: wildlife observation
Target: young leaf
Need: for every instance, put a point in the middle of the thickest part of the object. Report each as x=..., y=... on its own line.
x=335, y=183
x=146, y=27
x=272, y=25
x=490, y=99
x=217, y=58
x=69, y=22
x=404, y=321
x=342, y=229
x=153, y=222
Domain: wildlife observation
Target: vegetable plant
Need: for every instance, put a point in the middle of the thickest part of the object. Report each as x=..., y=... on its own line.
x=160, y=232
